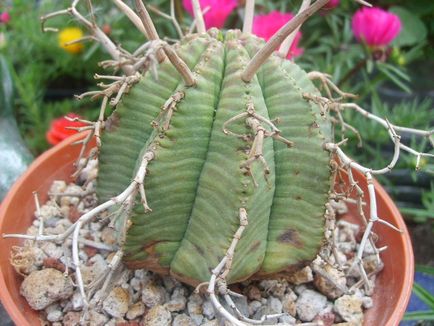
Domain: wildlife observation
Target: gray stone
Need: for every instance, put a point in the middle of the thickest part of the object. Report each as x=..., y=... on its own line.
x=208, y=309
x=157, y=316
x=54, y=312
x=287, y=320
x=97, y=319
x=178, y=301
x=302, y=276
x=135, y=310
x=44, y=287
x=194, y=308
x=349, y=307
x=153, y=295
x=183, y=320
x=96, y=266
x=330, y=281
x=72, y=318
x=288, y=303
x=51, y=250
x=77, y=301
x=254, y=307
x=116, y=303
x=309, y=304
x=108, y=236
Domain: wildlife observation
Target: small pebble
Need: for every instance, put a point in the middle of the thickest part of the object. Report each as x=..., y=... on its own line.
x=157, y=316
x=302, y=276
x=183, y=320
x=44, y=287
x=54, y=312
x=135, y=310
x=194, y=308
x=153, y=295
x=77, y=301
x=334, y=285
x=349, y=307
x=116, y=303
x=72, y=318
x=97, y=319
x=310, y=304
x=178, y=301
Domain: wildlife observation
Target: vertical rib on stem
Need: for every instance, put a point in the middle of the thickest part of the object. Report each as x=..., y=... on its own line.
x=198, y=16
x=149, y=26
x=267, y=50
x=286, y=45
x=249, y=12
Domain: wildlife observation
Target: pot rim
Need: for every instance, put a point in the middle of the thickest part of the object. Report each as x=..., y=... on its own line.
x=18, y=317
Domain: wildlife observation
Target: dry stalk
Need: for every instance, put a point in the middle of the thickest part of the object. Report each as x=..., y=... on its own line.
x=256, y=123
x=171, y=17
x=218, y=280
x=267, y=50
x=249, y=12
x=286, y=45
x=198, y=16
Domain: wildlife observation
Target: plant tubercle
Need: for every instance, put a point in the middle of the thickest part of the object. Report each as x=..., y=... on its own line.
x=218, y=161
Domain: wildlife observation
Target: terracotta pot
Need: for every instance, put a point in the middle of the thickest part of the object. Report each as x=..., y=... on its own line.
x=393, y=287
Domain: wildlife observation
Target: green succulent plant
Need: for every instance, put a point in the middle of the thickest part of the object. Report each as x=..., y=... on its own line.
x=202, y=173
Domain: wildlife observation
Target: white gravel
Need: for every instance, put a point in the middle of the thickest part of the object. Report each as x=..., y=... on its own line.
x=318, y=293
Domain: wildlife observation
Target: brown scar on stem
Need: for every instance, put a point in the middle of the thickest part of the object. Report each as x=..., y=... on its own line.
x=292, y=237
x=112, y=122
x=255, y=245
x=152, y=262
x=199, y=250
x=312, y=126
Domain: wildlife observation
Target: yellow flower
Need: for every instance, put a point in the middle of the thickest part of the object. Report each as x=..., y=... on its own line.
x=70, y=34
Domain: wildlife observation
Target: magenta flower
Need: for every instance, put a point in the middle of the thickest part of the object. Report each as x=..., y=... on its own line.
x=266, y=26
x=375, y=27
x=218, y=12
x=5, y=17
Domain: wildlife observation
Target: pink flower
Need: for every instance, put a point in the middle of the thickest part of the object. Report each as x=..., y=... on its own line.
x=375, y=27
x=266, y=26
x=5, y=17
x=218, y=12
x=331, y=4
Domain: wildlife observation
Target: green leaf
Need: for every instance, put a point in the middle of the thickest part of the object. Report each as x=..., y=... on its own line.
x=393, y=76
x=413, y=29
x=419, y=315
x=424, y=295
x=425, y=269
x=6, y=88
x=398, y=72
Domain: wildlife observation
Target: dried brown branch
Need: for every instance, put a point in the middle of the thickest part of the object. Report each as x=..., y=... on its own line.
x=171, y=17
x=149, y=26
x=249, y=13
x=198, y=16
x=267, y=50
x=286, y=45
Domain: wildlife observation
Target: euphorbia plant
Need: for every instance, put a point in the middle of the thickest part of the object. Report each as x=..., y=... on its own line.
x=218, y=162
